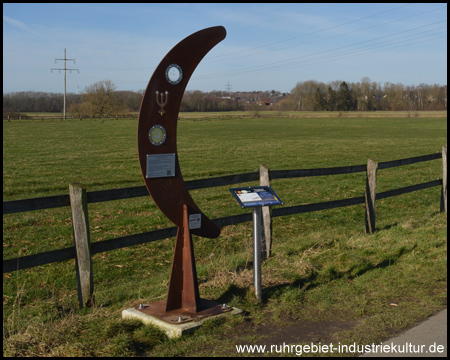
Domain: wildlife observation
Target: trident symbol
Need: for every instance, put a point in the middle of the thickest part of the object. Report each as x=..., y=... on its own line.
x=162, y=102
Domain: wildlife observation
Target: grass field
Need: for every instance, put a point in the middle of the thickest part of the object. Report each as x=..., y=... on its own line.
x=324, y=268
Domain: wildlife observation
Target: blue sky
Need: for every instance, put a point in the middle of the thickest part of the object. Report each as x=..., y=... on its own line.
x=268, y=46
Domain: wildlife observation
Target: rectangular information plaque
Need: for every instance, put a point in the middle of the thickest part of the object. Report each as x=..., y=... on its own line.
x=195, y=221
x=256, y=196
x=160, y=165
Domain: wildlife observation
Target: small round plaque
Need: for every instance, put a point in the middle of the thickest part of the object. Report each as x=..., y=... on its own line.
x=174, y=74
x=157, y=135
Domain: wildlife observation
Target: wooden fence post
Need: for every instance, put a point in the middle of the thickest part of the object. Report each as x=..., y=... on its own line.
x=80, y=223
x=444, y=180
x=266, y=233
x=371, y=188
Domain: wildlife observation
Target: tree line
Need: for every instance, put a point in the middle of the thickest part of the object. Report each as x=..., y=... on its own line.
x=102, y=98
x=197, y=100
x=98, y=99
x=365, y=95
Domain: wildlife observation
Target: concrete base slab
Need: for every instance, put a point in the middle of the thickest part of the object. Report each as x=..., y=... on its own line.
x=173, y=330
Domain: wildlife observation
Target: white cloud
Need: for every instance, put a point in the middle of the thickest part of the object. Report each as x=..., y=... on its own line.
x=17, y=23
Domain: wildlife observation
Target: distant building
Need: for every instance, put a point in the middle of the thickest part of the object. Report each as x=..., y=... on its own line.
x=266, y=102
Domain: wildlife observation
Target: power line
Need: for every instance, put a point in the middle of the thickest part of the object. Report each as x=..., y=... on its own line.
x=311, y=33
x=318, y=40
x=293, y=62
x=313, y=61
x=65, y=71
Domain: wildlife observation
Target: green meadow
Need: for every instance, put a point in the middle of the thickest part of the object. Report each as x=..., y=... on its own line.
x=323, y=267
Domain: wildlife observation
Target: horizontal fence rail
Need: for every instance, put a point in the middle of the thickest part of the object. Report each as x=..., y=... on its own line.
x=49, y=202
x=408, y=189
x=24, y=205
x=408, y=161
x=248, y=114
x=185, y=116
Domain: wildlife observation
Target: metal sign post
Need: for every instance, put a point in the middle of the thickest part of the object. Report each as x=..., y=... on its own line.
x=256, y=197
x=257, y=215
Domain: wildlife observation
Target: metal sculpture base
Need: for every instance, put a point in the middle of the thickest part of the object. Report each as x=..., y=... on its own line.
x=183, y=303
x=175, y=329
x=181, y=316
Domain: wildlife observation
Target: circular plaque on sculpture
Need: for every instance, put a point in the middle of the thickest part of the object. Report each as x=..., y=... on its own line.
x=174, y=74
x=157, y=135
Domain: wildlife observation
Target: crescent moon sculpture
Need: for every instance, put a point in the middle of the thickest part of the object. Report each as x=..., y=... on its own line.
x=157, y=128
x=158, y=158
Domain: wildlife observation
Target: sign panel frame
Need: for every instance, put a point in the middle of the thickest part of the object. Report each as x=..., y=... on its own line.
x=253, y=196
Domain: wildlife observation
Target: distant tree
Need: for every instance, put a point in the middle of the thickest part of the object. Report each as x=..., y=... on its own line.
x=320, y=100
x=130, y=100
x=193, y=101
x=441, y=96
x=79, y=110
x=30, y=101
x=398, y=98
x=331, y=99
x=304, y=95
x=287, y=104
x=100, y=99
x=366, y=96
x=343, y=97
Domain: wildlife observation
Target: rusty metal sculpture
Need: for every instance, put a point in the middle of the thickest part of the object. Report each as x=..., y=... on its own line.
x=158, y=158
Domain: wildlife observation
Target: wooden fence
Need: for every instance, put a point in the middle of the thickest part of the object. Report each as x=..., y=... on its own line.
x=186, y=116
x=191, y=117
x=68, y=117
x=248, y=114
x=78, y=198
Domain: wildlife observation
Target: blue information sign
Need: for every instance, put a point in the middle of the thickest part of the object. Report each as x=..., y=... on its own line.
x=256, y=196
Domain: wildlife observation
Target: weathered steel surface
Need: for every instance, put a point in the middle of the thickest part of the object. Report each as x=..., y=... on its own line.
x=170, y=193
x=159, y=114
x=183, y=285
x=183, y=297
